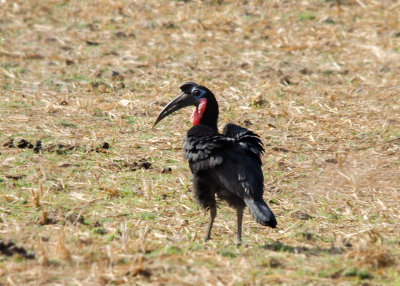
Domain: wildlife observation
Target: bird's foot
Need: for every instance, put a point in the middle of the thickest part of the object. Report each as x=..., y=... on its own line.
x=240, y=243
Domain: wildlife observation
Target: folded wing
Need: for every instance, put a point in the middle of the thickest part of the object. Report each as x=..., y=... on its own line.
x=233, y=157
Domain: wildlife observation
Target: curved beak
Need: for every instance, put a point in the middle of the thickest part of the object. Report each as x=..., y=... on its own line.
x=183, y=100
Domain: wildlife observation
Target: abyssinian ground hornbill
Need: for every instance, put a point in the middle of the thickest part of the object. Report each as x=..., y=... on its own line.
x=227, y=165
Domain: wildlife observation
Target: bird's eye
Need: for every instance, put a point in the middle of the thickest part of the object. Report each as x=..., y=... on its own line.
x=196, y=92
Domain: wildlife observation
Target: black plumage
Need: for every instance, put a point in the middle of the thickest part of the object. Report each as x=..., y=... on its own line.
x=226, y=165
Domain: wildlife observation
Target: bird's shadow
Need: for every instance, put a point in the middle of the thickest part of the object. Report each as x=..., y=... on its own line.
x=281, y=247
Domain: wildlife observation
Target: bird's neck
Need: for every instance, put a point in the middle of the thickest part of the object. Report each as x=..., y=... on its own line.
x=210, y=115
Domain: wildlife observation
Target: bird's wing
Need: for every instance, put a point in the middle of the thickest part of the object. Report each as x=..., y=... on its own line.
x=204, y=148
x=246, y=139
x=234, y=163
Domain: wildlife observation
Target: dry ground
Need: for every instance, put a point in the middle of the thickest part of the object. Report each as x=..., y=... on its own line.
x=105, y=198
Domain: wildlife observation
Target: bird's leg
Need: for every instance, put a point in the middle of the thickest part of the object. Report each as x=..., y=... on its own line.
x=239, y=214
x=213, y=214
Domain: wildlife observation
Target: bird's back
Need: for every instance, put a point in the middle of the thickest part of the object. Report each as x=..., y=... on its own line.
x=231, y=158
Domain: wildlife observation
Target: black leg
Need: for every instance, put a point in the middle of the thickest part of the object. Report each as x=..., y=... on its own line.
x=239, y=213
x=213, y=214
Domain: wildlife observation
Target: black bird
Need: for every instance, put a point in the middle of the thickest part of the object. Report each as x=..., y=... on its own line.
x=227, y=165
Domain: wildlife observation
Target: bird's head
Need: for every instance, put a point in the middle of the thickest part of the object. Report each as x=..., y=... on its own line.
x=200, y=97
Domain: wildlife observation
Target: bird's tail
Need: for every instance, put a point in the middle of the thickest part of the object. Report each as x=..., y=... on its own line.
x=261, y=212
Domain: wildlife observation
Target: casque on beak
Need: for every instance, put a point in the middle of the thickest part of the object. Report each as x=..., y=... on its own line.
x=183, y=100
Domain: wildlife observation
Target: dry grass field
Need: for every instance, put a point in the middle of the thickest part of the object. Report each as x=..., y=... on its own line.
x=92, y=194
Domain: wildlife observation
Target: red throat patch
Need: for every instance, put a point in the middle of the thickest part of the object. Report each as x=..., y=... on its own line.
x=198, y=112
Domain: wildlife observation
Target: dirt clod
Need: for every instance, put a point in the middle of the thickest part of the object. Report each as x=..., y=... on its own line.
x=38, y=146
x=247, y=123
x=9, y=143
x=116, y=76
x=10, y=249
x=166, y=170
x=305, y=71
x=24, y=144
x=331, y=160
x=301, y=215
x=14, y=177
x=274, y=263
x=59, y=148
x=141, y=164
x=102, y=148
